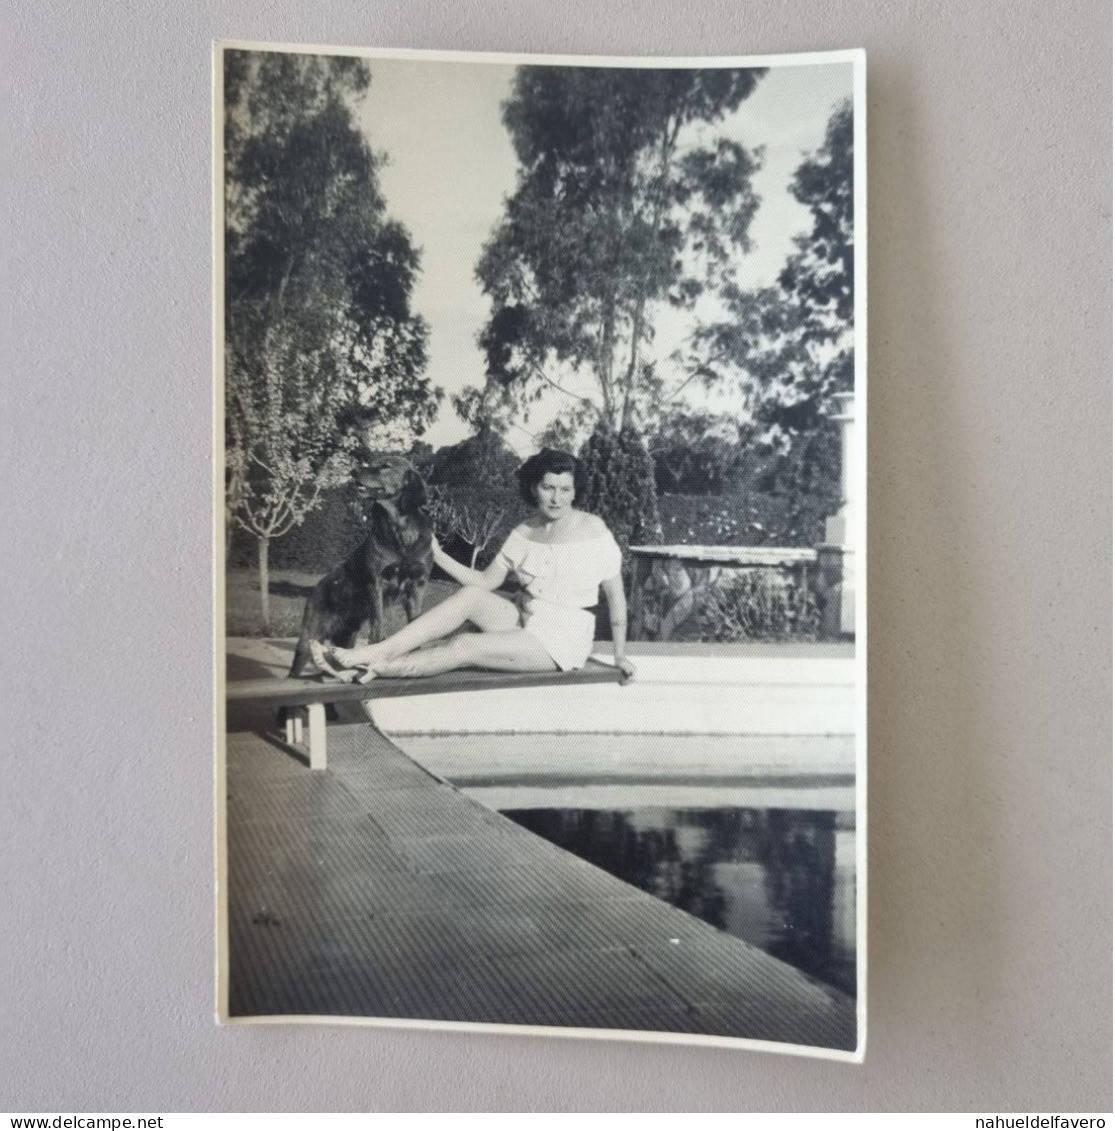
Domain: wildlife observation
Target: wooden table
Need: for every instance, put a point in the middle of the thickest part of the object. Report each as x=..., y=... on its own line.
x=682, y=558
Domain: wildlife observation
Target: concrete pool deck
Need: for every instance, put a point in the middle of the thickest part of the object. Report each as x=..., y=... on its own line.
x=376, y=890
x=372, y=890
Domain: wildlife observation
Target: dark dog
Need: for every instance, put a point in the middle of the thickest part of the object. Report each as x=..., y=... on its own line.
x=391, y=564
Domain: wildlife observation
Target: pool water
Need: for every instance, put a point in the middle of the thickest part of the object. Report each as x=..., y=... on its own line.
x=781, y=879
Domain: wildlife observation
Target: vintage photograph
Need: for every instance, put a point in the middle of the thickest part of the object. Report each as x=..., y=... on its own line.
x=540, y=475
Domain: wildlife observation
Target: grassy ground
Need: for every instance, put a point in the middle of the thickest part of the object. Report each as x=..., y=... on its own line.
x=289, y=590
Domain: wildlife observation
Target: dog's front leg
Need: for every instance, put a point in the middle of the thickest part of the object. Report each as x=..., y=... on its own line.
x=412, y=599
x=375, y=625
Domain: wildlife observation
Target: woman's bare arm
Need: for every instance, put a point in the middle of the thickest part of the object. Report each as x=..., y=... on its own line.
x=489, y=579
x=617, y=615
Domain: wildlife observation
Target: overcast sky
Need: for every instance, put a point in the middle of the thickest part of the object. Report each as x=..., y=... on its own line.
x=451, y=165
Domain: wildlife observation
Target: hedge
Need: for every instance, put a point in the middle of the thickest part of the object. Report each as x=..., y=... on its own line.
x=746, y=519
x=750, y=518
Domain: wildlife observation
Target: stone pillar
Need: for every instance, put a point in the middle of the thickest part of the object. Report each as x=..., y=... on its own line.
x=836, y=555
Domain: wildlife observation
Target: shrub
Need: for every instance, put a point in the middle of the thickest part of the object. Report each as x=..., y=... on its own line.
x=757, y=604
x=472, y=522
x=620, y=485
x=744, y=518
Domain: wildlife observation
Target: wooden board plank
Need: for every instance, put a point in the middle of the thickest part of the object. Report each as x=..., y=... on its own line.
x=302, y=692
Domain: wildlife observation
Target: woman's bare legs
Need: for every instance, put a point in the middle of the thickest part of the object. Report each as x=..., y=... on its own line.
x=514, y=650
x=489, y=612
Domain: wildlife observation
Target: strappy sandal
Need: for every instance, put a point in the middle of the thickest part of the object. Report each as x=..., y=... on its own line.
x=321, y=661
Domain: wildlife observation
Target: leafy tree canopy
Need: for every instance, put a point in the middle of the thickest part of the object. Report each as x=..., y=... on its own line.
x=695, y=453
x=309, y=248
x=822, y=270
x=320, y=342
x=790, y=347
x=625, y=198
x=481, y=460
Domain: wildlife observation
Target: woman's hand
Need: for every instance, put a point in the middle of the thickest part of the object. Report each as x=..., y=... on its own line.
x=626, y=669
x=489, y=579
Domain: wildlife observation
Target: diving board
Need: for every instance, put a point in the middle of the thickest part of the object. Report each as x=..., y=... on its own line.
x=310, y=696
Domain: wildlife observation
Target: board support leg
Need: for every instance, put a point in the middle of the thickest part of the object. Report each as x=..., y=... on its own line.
x=318, y=759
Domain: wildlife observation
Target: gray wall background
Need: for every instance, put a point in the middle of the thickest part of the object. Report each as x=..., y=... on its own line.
x=990, y=444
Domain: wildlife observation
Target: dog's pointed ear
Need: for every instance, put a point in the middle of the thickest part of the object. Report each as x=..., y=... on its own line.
x=413, y=497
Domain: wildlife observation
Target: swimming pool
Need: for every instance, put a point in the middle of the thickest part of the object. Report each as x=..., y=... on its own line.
x=781, y=879
x=758, y=841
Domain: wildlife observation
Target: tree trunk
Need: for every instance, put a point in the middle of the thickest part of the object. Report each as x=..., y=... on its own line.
x=232, y=499
x=264, y=545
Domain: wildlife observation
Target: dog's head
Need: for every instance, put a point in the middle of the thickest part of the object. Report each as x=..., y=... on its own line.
x=384, y=476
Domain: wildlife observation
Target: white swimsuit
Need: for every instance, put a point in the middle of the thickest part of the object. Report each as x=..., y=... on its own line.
x=561, y=582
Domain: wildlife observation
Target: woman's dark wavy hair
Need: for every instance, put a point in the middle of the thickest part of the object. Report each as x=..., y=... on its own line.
x=546, y=461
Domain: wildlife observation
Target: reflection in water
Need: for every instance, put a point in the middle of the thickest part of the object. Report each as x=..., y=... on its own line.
x=782, y=879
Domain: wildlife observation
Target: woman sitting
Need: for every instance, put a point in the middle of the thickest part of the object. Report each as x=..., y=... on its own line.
x=561, y=556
